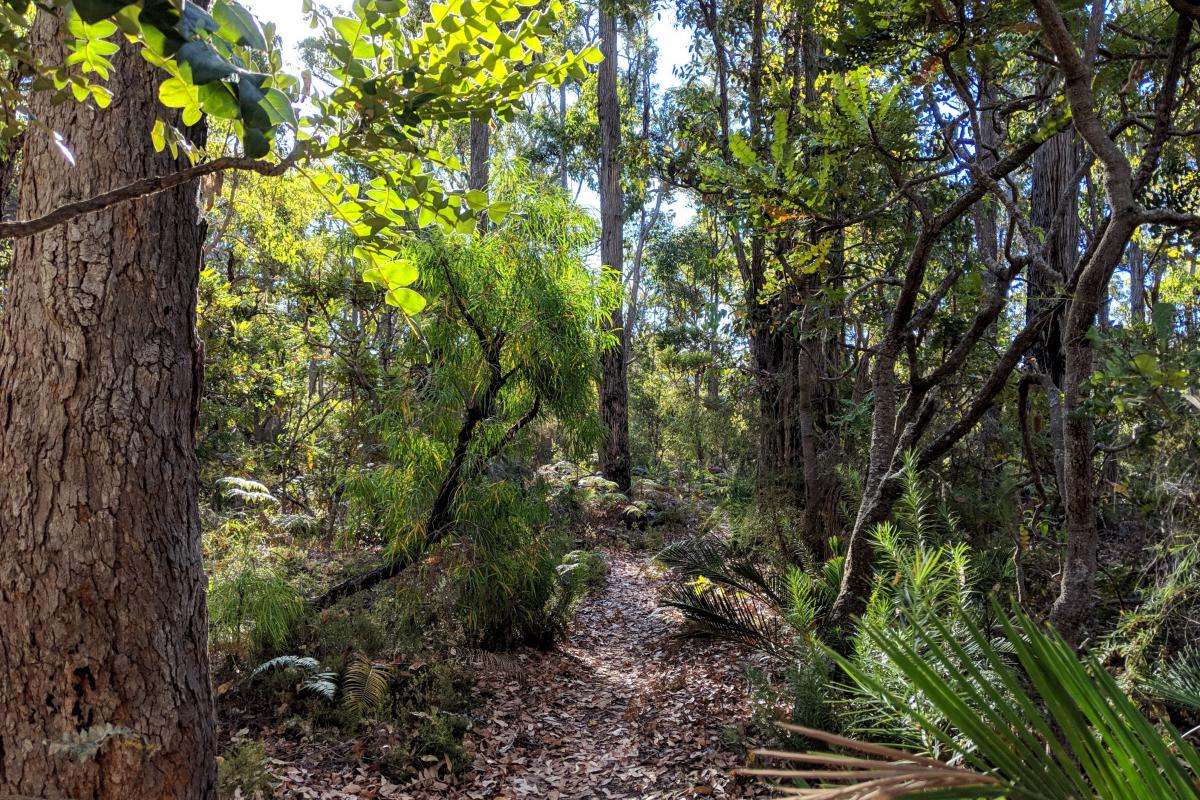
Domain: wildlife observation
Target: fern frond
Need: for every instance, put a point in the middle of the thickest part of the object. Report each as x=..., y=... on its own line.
x=323, y=684
x=365, y=686
x=246, y=491
x=302, y=663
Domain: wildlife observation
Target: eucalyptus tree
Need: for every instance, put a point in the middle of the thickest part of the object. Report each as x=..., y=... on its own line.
x=614, y=379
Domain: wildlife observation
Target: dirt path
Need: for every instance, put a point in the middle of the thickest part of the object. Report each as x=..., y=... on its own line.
x=619, y=710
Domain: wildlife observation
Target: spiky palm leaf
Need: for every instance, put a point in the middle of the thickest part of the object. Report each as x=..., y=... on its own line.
x=1179, y=681
x=719, y=563
x=1075, y=735
x=718, y=613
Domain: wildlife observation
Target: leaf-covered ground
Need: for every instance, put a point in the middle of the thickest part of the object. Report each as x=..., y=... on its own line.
x=619, y=710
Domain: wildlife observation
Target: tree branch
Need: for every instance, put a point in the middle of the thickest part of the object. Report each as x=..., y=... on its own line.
x=144, y=188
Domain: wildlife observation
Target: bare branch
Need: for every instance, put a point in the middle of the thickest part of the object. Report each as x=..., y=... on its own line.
x=144, y=188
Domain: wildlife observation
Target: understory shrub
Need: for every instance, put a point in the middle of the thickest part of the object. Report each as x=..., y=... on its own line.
x=252, y=605
x=243, y=770
x=728, y=591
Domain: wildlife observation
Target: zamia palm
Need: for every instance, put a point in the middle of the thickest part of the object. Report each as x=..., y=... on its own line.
x=1050, y=726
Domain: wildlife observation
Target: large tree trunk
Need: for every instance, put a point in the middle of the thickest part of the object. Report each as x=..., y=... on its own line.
x=614, y=392
x=104, y=687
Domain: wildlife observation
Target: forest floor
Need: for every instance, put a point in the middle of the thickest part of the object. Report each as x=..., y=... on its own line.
x=620, y=709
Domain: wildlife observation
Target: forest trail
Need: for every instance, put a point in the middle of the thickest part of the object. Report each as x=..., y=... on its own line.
x=620, y=709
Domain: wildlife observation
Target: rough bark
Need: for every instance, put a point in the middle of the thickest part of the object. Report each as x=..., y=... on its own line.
x=481, y=155
x=614, y=393
x=1137, y=282
x=102, y=586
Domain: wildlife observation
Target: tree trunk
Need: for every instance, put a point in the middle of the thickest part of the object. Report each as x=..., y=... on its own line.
x=1137, y=282
x=481, y=154
x=614, y=393
x=104, y=685
x=1052, y=209
x=1074, y=605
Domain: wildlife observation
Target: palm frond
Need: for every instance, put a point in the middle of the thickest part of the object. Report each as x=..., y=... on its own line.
x=1179, y=681
x=890, y=773
x=717, y=613
x=712, y=558
x=1071, y=734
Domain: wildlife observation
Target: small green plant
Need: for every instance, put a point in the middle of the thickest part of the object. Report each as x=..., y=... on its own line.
x=252, y=606
x=243, y=770
x=1178, y=683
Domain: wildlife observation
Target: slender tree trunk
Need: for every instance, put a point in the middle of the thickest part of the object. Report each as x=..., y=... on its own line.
x=1074, y=604
x=1122, y=187
x=481, y=152
x=985, y=218
x=562, y=122
x=104, y=687
x=614, y=393
x=1137, y=282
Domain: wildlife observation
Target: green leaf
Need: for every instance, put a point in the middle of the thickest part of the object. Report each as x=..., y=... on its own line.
x=238, y=25
x=217, y=100
x=1146, y=364
x=406, y=300
x=158, y=136
x=202, y=63
x=739, y=146
x=176, y=93
x=498, y=211
x=279, y=108
x=349, y=28
x=255, y=143
x=476, y=199
x=251, y=101
x=102, y=96
x=92, y=11
x=392, y=274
